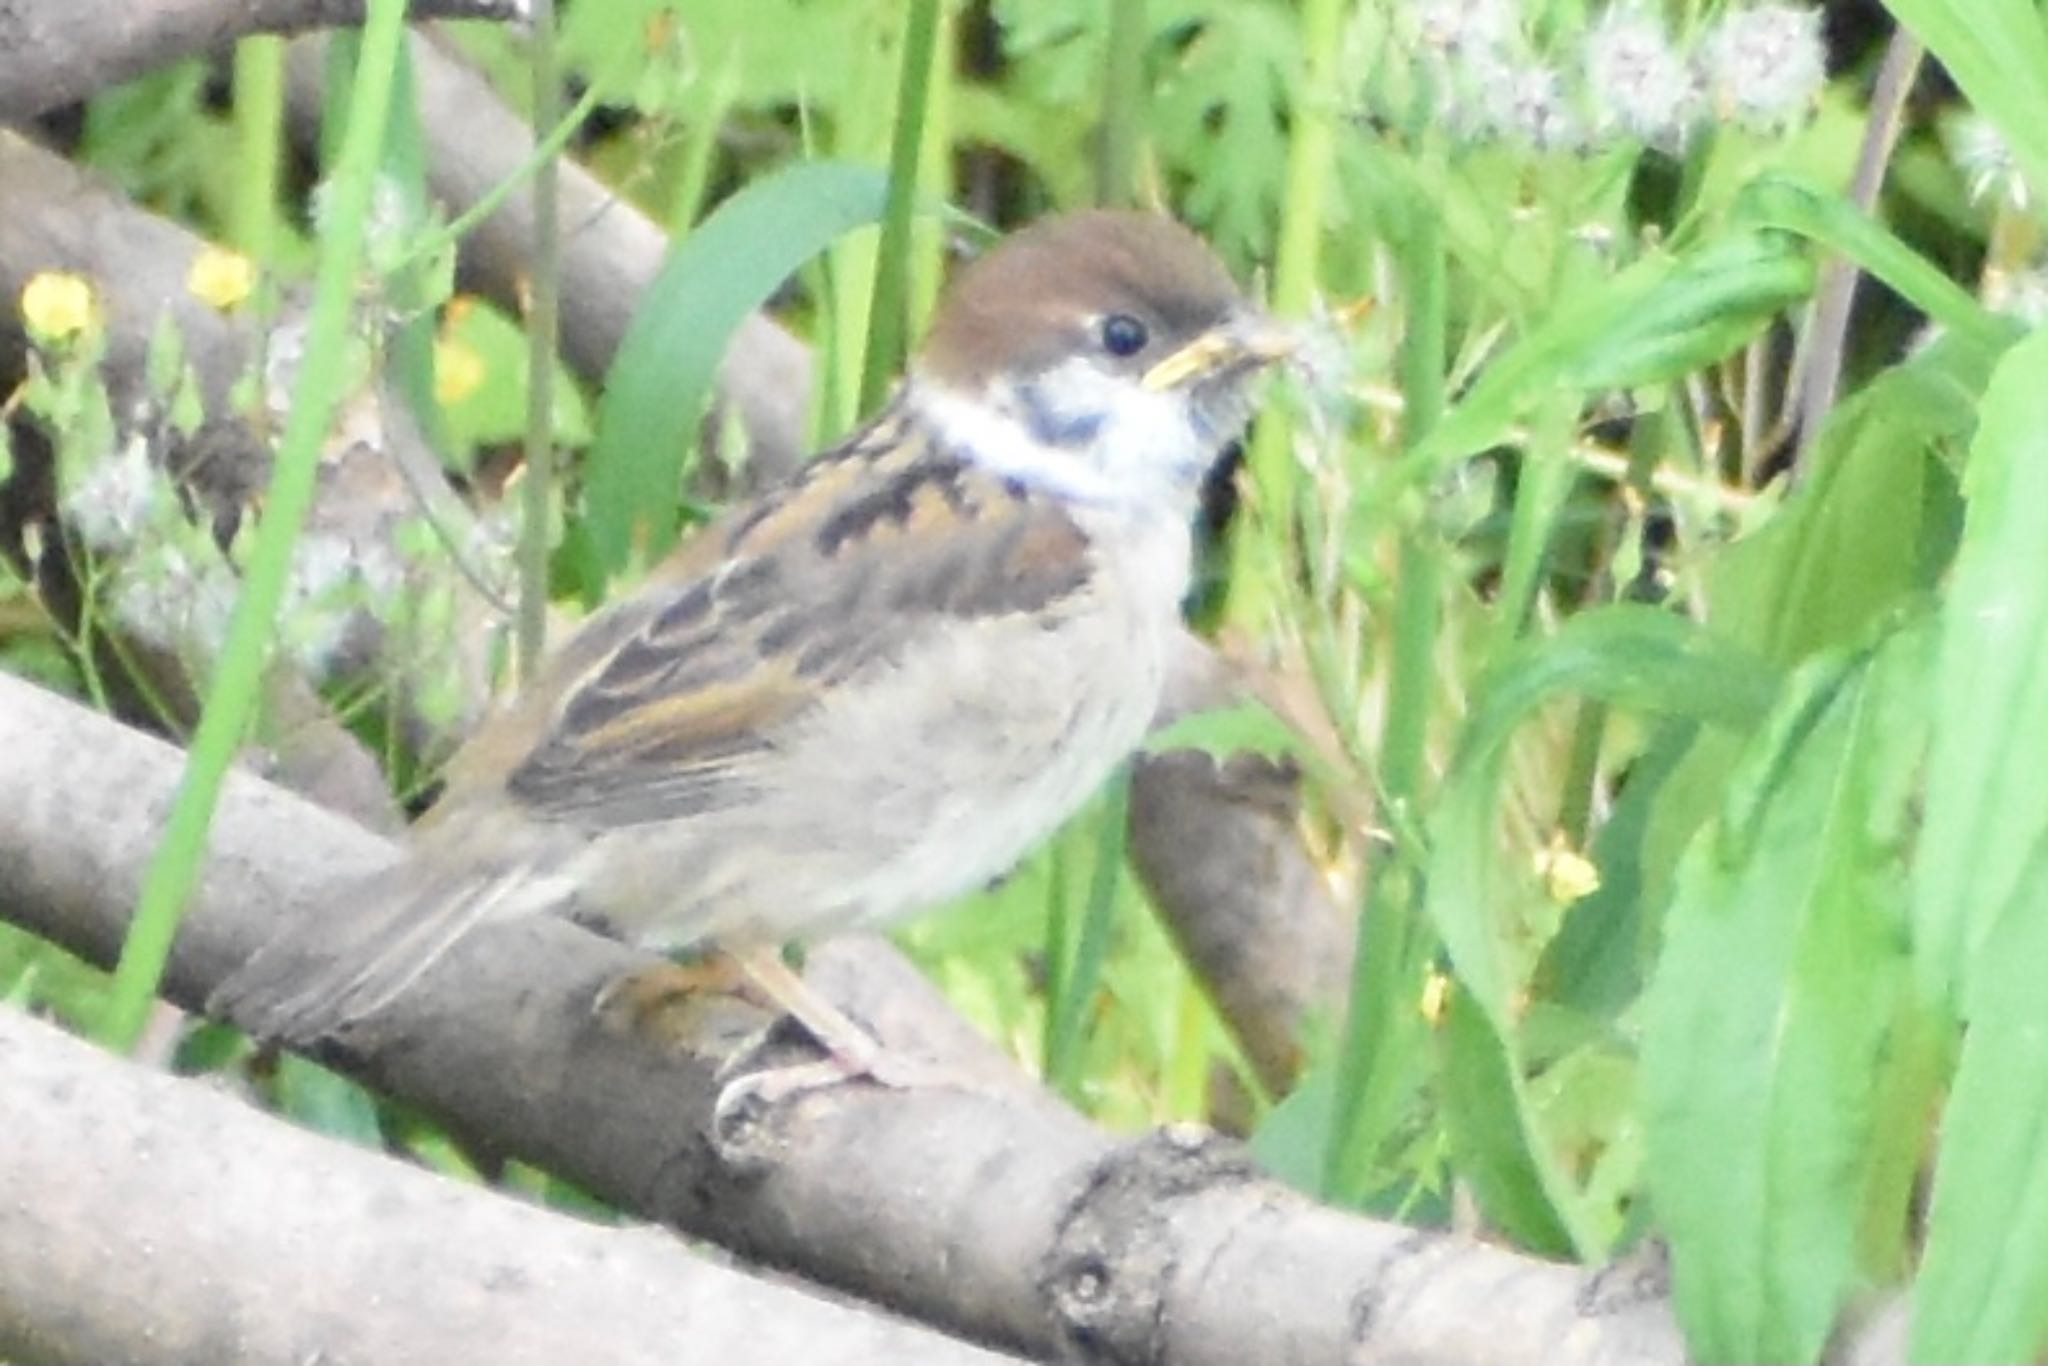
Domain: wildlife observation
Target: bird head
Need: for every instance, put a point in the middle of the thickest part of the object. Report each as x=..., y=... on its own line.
x=1105, y=356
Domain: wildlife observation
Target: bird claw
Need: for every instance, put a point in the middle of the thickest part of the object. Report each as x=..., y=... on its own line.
x=746, y=1098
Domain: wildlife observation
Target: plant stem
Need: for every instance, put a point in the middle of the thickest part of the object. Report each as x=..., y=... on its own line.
x=1123, y=106
x=259, y=135
x=1381, y=1015
x=231, y=699
x=543, y=326
x=888, y=314
x=1310, y=159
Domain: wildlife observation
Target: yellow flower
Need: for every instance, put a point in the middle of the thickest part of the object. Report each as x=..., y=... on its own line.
x=222, y=278
x=1567, y=874
x=458, y=370
x=1436, y=998
x=57, y=305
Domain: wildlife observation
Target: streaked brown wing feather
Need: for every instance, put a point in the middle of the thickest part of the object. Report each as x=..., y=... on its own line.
x=693, y=678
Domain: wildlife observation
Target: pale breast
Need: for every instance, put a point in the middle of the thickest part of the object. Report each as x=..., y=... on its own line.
x=936, y=774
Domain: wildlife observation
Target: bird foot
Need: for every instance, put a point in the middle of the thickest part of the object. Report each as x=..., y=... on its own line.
x=746, y=1097
x=667, y=1003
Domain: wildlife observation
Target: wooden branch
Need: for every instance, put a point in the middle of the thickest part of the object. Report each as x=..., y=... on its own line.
x=155, y=1220
x=61, y=218
x=53, y=54
x=1218, y=848
x=610, y=250
x=998, y=1215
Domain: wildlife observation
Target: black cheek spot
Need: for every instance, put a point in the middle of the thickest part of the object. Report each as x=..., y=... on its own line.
x=1051, y=427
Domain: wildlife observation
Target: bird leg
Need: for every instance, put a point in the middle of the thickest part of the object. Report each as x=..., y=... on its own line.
x=664, y=1002
x=673, y=1004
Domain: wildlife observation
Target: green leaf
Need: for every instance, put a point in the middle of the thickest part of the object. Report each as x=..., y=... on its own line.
x=1221, y=111
x=1996, y=51
x=1596, y=963
x=1638, y=657
x=1784, y=201
x=1979, y=904
x=1869, y=529
x=1766, y=1021
x=1987, y=809
x=1243, y=727
x=328, y=1102
x=660, y=381
x=1495, y=1141
x=1289, y=1142
x=1659, y=319
x=1982, y=1293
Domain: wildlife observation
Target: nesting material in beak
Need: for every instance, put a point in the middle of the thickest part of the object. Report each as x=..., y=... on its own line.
x=1246, y=343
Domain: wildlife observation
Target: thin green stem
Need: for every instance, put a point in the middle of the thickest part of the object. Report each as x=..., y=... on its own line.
x=1123, y=106
x=699, y=150
x=888, y=316
x=173, y=870
x=1069, y=1009
x=1310, y=166
x=544, y=153
x=1546, y=476
x=1381, y=1015
x=259, y=137
x=543, y=327
x=1582, y=771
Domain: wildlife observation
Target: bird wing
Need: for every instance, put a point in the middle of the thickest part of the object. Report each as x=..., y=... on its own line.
x=663, y=707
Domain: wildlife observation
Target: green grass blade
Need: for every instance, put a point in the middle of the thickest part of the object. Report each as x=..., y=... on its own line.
x=1793, y=205
x=660, y=381
x=1071, y=1001
x=1495, y=1141
x=1765, y=1024
x=238, y=678
x=888, y=315
x=1381, y=1050
x=543, y=335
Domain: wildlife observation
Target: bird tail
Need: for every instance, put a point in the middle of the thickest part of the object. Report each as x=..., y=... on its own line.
x=363, y=947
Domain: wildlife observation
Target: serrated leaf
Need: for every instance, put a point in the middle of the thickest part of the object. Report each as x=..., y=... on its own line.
x=1221, y=111
x=1243, y=727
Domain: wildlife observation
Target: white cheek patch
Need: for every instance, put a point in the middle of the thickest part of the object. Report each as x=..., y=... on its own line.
x=997, y=441
x=1080, y=432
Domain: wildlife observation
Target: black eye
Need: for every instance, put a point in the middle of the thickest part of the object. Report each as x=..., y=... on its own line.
x=1123, y=335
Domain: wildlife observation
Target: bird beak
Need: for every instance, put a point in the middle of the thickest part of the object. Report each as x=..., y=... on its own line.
x=1244, y=343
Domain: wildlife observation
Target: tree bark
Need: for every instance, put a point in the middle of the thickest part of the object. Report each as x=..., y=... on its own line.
x=52, y=54
x=994, y=1213
x=150, y=1219
x=610, y=250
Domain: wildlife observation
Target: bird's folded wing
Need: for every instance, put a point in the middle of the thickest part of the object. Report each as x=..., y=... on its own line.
x=670, y=702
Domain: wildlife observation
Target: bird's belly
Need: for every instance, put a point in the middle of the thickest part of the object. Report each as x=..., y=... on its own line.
x=957, y=761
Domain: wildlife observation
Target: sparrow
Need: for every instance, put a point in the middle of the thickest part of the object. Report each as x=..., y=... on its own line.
x=866, y=691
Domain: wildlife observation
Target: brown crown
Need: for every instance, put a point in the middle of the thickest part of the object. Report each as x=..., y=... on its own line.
x=1039, y=297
